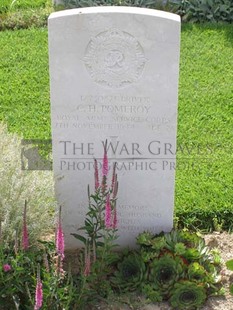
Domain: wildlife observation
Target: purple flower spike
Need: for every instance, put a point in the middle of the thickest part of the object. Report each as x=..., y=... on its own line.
x=114, y=222
x=87, y=269
x=105, y=161
x=39, y=293
x=114, y=176
x=115, y=189
x=108, y=212
x=97, y=184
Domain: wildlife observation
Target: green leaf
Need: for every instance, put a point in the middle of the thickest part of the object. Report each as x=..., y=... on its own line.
x=80, y=238
x=88, y=222
x=180, y=248
x=231, y=289
x=99, y=243
x=81, y=228
x=229, y=264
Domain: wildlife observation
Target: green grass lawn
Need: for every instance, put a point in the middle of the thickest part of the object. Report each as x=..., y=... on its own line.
x=205, y=118
x=24, y=82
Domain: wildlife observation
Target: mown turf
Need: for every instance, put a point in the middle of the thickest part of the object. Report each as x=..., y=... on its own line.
x=24, y=82
x=204, y=178
x=205, y=118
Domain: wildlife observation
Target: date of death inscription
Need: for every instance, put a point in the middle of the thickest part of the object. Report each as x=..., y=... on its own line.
x=113, y=113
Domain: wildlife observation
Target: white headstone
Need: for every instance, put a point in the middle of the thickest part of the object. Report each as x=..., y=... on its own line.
x=114, y=76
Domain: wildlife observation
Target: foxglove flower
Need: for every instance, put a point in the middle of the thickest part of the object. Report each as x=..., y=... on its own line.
x=108, y=212
x=60, y=244
x=25, y=240
x=39, y=292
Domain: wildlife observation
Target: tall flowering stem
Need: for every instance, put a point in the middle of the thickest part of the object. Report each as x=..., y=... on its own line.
x=60, y=244
x=104, y=170
x=97, y=184
x=114, y=177
x=100, y=226
x=115, y=189
x=105, y=161
x=114, y=221
x=87, y=267
x=16, y=246
x=108, y=212
x=25, y=239
x=39, y=292
x=94, y=251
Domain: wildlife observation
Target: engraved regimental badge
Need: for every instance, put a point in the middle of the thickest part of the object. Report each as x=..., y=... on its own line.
x=114, y=58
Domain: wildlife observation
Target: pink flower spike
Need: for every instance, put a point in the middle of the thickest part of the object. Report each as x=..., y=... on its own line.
x=39, y=293
x=25, y=240
x=115, y=189
x=114, y=222
x=108, y=213
x=60, y=244
x=105, y=162
x=114, y=176
x=87, y=268
x=97, y=184
x=6, y=267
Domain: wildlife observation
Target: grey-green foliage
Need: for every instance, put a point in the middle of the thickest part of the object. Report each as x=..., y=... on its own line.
x=204, y=10
x=14, y=5
x=16, y=186
x=153, y=4
x=189, y=10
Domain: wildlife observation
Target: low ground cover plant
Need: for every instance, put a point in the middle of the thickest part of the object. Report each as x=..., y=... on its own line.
x=229, y=265
x=181, y=268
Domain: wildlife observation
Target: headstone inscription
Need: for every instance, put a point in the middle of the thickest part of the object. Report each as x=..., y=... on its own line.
x=114, y=76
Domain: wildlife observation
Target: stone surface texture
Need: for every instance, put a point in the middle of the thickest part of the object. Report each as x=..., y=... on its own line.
x=114, y=76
